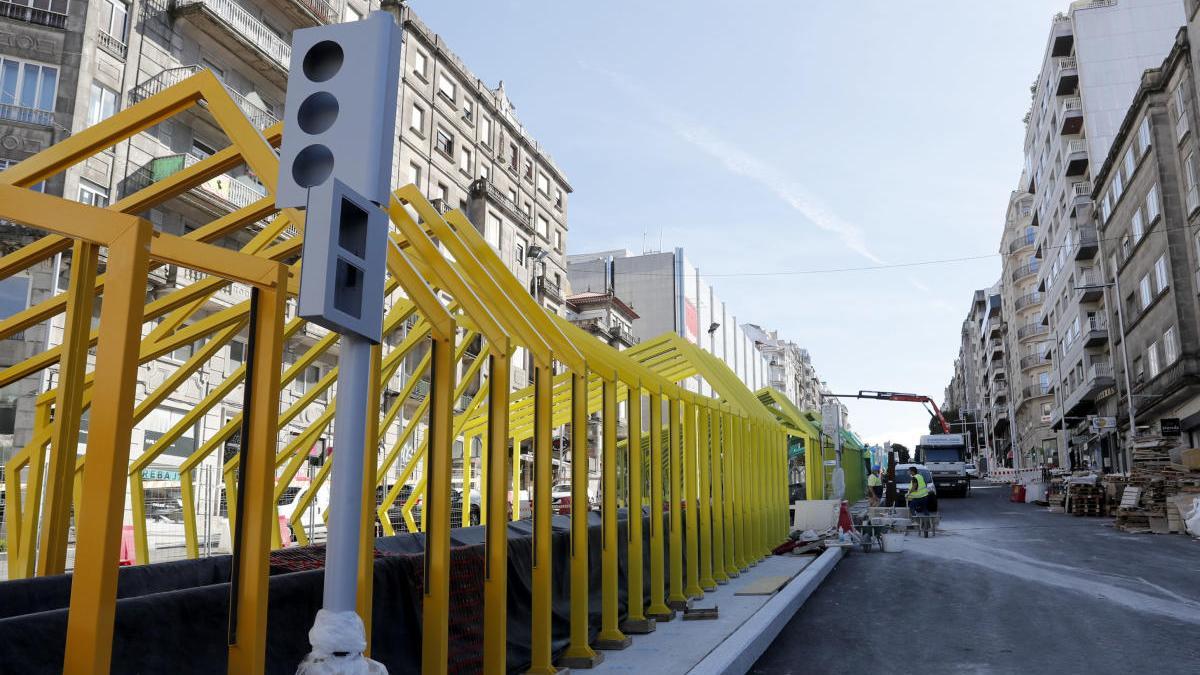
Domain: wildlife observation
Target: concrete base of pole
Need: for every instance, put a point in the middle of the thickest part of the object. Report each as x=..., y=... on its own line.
x=638, y=626
x=580, y=661
x=662, y=616
x=612, y=644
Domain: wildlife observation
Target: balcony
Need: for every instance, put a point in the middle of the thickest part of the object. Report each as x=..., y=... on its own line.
x=1030, y=361
x=625, y=335
x=1183, y=373
x=995, y=329
x=1031, y=330
x=16, y=113
x=1075, y=155
x=483, y=188
x=231, y=293
x=1062, y=39
x=1067, y=76
x=112, y=45
x=314, y=12
x=549, y=290
x=995, y=349
x=1035, y=390
x=267, y=52
x=1081, y=193
x=1089, y=287
x=1071, y=114
x=1095, y=331
x=38, y=17
x=1025, y=271
x=1033, y=299
x=1089, y=242
x=1023, y=241
x=1097, y=378
x=219, y=194
x=259, y=117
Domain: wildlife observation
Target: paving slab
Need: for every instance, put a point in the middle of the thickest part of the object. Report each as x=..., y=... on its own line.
x=678, y=647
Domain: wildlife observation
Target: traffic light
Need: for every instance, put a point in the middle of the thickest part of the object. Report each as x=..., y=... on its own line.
x=340, y=113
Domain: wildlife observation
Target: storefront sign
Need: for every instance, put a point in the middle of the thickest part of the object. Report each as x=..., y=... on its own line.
x=1104, y=425
x=1169, y=426
x=159, y=474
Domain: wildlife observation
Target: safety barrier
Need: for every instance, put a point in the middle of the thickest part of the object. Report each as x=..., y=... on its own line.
x=720, y=473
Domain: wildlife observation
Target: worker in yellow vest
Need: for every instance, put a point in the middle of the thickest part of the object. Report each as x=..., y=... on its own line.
x=917, y=492
x=874, y=487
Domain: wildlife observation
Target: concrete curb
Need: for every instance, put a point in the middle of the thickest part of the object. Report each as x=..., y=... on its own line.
x=737, y=654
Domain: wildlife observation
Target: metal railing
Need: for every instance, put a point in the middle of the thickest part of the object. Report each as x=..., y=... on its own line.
x=1082, y=189
x=1066, y=63
x=233, y=192
x=259, y=117
x=1032, y=330
x=1096, y=324
x=1098, y=370
x=326, y=12
x=1022, y=241
x=1034, y=298
x=1028, y=269
x=1072, y=105
x=16, y=113
x=1076, y=145
x=1035, y=360
x=112, y=45
x=41, y=17
x=482, y=187
x=549, y=289
x=244, y=24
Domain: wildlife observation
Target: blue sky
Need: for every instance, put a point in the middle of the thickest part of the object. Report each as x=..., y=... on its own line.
x=773, y=137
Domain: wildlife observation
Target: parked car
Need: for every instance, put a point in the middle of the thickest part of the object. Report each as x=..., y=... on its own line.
x=903, y=481
x=972, y=471
x=561, y=496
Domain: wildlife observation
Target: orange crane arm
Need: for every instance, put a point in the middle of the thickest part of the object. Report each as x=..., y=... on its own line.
x=896, y=396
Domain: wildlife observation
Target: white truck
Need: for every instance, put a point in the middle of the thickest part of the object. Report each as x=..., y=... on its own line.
x=945, y=455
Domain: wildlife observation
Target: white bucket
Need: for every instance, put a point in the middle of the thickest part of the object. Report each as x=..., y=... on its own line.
x=893, y=542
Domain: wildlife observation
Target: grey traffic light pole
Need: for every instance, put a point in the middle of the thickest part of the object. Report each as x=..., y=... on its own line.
x=336, y=161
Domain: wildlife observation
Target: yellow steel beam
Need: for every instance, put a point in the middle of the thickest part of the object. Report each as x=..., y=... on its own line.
x=704, y=465
x=610, y=636
x=658, y=606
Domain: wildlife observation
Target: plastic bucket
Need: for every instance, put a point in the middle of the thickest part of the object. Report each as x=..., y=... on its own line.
x=893, y=542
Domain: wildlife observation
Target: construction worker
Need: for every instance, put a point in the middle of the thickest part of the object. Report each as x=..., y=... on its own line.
x=917, y=492
x=874, y=487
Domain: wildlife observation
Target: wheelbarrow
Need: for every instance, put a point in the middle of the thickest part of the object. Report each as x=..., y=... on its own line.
x=927, y=524
x=872, y=535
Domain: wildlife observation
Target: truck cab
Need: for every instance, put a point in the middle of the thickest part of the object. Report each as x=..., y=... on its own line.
x=945, y=455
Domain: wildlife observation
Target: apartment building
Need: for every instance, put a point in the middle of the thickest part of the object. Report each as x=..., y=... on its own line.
x=1149, y=219
x=68, y=64
x=605, y=316
x=1029, y=349
x=789, y=367
x=1093, y=61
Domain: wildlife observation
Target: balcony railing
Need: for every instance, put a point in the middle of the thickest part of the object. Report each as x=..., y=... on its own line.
x=549, y=289
x=237, y=19
x=259, y=117
x=1076, y=145
x=326, y=12
x=1027, y=300
x=1028, y=269
x=1072, y=106
x=16, y=113
x=112, y=45
x=224, y=188
x=1035, y=360
x=1065, y=64
x=41, y=17
x=1022, y=241
x=1095, y=324
x=482, y=187
x=1082, y=189
x=625, y=335
x=1032, y=330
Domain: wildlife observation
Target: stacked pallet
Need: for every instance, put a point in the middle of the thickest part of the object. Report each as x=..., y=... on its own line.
x=1114, y=487
x=1156, y=480
x=1055, y=494
x=1086, y=500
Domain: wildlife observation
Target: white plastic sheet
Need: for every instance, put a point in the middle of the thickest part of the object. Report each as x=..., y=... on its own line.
x=338, y=640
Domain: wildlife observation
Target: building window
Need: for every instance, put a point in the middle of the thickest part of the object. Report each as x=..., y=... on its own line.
x=445, y=143
x=1152, y=358
x=113, y=19
x=447, y=87
x=543, y=184
x=485, y=131
x=1144, y=135
x=543, y=227
x=416, y=121
x=1170, y=346
x=414, y=174
x=92, y=194
x=351, y=14
x=14, y=294
x=1160, y=273
x=468, y=110
x=102, y=105
x=420, y=63
x=443, y=193
x=1152, y=204
x=558, y=199
x=1144, y=289
x=27, y=85
x=512, y=157
x=491, y=230
x=1130, y=163
x=484, y=172
x=528, y=168
x=1193, y=193
x=1136, y=226
x=1118, y=187
x=519, y=253
x=464, y=160
x=558, y=241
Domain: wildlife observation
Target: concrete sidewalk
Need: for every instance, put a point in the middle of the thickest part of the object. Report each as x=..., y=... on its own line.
x=745, y=628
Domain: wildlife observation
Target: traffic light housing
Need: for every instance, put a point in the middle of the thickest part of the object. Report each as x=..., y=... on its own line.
x=340, y=112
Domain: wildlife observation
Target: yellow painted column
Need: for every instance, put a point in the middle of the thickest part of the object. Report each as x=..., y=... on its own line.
x=658, y=609
x=542, y=617
x=706, y=501
x=729, y=462
x=94, y=587
x=366, y=553
x=636, y=621
x=610, y=636
x=676, y=599
x=435, y=643
x=718, y=497
x=743, y=503
x=758, y=466
x=690, y=478
x=495, y=573
x=579, y=654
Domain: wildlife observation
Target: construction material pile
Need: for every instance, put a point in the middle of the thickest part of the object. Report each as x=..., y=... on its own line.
x=1160, y=489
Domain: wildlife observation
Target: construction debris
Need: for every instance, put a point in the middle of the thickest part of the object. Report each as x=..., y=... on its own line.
x=1149, y=503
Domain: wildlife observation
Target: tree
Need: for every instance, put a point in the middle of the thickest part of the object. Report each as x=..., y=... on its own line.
x=952, y=418
x=901, y=453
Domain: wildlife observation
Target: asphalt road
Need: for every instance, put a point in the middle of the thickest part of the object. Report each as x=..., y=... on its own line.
x=1006, y=588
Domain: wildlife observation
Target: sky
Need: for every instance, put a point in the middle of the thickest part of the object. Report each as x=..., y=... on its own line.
x=779, y=141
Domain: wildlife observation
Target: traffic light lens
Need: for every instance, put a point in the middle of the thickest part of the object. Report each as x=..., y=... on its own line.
x=317, y=113
x=323, y=61
x=312, y=166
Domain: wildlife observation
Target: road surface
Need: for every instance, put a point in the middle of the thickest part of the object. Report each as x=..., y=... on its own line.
x=1007, y=588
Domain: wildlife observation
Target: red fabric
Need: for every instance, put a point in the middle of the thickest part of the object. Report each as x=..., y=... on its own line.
x=128, y=552
x=1018, y=494
x=844, y=520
